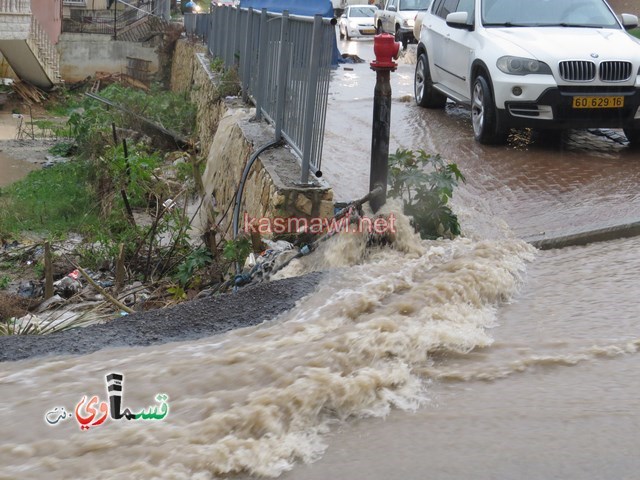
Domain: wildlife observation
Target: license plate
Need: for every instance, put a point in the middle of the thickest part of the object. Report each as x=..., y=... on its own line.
x=598, y=102
x=369, y=31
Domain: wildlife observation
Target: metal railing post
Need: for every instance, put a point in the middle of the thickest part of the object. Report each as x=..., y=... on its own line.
x=225, y=38
x=283, y=64
x=213, y=36
x=246, y=64
x=218, y=35
x=237, y=26
x=263, y=50
x=310, y=101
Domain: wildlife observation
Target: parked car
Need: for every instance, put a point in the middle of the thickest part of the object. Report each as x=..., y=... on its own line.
x=357, y=21
x=398, y=17
x=546, y=64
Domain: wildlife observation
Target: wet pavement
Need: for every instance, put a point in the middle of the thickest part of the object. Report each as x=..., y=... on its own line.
x=539, y=186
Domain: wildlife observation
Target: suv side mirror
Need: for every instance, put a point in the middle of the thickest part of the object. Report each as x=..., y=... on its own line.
x=629, y=21
x=459, y=20
x=392, y=8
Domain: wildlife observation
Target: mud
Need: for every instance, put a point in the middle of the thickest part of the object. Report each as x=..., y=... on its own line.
x=198, y=319
x=33, y=151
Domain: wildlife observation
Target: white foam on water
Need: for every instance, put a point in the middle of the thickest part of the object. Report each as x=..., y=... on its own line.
x=259, y=399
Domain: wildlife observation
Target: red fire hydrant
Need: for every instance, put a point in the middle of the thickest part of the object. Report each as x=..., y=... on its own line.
x=386, y=50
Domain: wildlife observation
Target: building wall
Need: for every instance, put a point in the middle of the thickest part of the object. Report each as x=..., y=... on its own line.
x=97, y=4
x=49, y=14
x=82, y=55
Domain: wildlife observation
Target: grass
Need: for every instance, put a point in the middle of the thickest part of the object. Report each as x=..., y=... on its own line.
x=635, y=32
x=62, y=103
x=55, y=200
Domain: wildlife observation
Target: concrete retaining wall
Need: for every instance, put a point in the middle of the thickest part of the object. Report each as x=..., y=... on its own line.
x=228, y=136
x=83, y=54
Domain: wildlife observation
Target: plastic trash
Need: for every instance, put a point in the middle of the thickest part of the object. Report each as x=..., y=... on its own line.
x=279, y=246
x=68, y=286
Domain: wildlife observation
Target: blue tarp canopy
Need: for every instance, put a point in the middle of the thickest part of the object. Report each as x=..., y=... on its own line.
x=294, y=7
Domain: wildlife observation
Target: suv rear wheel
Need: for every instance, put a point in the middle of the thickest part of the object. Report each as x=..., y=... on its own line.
x=484, y=115
x=426, y=95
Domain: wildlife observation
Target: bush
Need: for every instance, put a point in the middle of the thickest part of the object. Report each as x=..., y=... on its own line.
x=425, y=185
x=91, y=125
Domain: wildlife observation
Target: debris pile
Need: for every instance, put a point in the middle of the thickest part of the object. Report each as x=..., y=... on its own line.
x=30, y=94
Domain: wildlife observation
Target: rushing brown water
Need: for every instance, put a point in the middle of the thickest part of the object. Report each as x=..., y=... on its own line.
x=259, y=399
x=554, y=396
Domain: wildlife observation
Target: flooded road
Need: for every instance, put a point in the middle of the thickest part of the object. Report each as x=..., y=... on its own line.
x=554, y=397
x=478, y=358
x=588, y=180
x=258, y=399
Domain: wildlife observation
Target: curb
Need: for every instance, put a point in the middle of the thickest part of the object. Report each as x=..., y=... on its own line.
x=626, y=230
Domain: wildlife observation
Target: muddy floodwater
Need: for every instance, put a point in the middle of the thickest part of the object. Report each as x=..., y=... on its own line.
x=467, y=359
x=261, y=398
x=11, y=169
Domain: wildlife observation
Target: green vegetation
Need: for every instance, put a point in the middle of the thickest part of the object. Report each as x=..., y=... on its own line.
x=63, y=149
x=635, y=32
x=95, y=193
x=425, y=185
x=217, y=64
x=228, y=80
x=237, y=250
x=91, y=126
x=52, y=201
x=63, y=103
x=127, y=187
x=195, y=261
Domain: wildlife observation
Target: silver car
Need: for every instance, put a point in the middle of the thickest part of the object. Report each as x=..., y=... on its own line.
x=357, y=21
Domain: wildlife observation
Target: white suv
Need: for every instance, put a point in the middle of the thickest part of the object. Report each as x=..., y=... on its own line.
x=547, y=64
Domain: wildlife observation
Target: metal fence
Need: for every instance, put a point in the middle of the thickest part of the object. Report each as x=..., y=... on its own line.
x=120, y=16
x=284, y=62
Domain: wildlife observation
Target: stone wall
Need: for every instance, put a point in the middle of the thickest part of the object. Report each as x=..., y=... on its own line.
x=15, y=26
x=228, y=136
